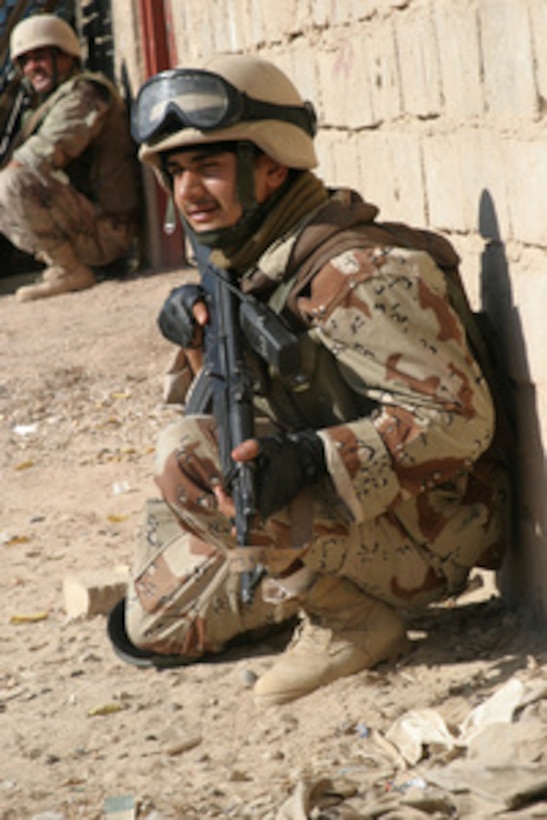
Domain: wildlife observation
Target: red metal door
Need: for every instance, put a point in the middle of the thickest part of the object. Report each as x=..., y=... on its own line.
x=160, y=53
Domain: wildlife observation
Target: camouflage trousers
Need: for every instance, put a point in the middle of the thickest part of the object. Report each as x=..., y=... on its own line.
x=184, y=594
x=40, y=213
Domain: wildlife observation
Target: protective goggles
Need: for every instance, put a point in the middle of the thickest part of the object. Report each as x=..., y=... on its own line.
x=195, y=98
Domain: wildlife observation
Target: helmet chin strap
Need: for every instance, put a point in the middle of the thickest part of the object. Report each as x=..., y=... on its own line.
x=55, y=78
x=252, y=212
x=55, y=68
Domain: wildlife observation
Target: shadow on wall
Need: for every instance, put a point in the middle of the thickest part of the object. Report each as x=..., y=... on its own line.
x=520, y=581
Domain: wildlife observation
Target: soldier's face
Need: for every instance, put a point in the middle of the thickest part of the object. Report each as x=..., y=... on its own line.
x=37, y=66
x=44, y=68
x=205, y=186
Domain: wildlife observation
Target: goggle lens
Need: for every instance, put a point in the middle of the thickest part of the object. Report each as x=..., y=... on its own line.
x=193, y=99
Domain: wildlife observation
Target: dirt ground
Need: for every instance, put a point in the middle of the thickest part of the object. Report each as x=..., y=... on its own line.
x=83, y=734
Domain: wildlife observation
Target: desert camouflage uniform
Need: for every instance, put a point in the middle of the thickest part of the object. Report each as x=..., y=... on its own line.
x=75, y=175
x=417, y=491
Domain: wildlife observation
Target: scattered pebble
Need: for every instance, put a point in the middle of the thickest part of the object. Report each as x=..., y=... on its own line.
x=248, y=677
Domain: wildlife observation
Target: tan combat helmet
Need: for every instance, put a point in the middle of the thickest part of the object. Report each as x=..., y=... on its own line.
x=44, y=31
x=260, y=80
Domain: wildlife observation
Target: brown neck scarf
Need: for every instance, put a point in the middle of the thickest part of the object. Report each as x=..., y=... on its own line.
x=295, y=206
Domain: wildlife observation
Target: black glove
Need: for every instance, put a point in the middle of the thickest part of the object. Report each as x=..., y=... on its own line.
x=176, y=320
x=285, y=464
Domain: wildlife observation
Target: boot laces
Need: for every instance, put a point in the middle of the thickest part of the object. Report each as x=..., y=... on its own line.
x=311, y=633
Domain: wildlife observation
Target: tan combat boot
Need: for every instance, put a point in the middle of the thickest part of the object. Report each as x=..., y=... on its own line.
x=344, y=631
x=52, y=273
x=64, y=275
x=57, y=281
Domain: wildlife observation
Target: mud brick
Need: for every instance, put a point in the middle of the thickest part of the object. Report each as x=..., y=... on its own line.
x=93, y=593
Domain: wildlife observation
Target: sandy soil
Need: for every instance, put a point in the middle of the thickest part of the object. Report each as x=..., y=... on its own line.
x=80, y=407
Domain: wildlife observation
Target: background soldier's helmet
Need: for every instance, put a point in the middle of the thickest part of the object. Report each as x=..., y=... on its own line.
x=284, y=141
x=43, y=31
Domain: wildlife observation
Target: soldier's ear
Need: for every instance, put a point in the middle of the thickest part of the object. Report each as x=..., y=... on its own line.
x=278, y=174
x=272, y=172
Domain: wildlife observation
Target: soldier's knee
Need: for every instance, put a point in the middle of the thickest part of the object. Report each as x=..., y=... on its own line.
x=136, y=623
x=172, y=437
x=168, y=440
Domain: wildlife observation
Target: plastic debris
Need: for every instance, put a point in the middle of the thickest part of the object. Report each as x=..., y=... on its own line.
x=362, y=730
x=122, y=807
x=25, y=429
x=413, y=783
x=120, y=487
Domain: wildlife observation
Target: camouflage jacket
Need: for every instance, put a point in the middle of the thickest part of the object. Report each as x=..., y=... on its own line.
x=82, y=131
x=388, y=378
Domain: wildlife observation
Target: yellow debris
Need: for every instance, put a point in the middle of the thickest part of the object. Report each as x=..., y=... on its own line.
x=31, y=618
x=105, y=709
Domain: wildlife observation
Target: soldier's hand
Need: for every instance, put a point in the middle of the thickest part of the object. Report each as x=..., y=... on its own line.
x=183, y=313
x=225, y=502
x=286, y=462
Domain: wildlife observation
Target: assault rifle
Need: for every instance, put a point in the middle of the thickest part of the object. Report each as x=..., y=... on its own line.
x=14, y=99
x=232, y=397
x=226, y=383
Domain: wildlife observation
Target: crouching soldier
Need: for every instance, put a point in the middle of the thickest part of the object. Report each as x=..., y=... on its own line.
x=379, y=479
x=69, y=190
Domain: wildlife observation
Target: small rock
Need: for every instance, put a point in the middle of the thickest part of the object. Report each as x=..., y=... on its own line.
x=248, y=677
x=176, y=742
x=237, y=776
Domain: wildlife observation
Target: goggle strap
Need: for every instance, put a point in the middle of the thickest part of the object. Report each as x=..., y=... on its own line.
x=303, y=116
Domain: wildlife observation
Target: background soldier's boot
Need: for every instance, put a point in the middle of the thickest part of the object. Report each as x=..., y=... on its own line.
x=52, y=273
x=64, y=274
x=344, y=631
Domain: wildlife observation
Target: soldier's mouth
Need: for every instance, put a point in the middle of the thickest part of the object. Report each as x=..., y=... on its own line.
x=40, y=79
x=201, y=214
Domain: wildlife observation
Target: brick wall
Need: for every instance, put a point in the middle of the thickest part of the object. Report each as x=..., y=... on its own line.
x=436, y=110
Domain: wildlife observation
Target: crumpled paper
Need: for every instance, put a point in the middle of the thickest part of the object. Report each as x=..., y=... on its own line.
x=311, y=794
x=494, y=762
x=424, y=729
x=499, y=708
x=419, y=729
x=505, y=787
x=505, y=759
